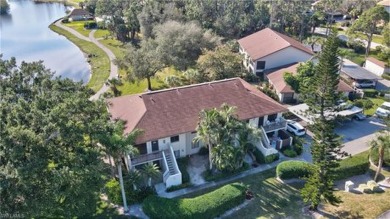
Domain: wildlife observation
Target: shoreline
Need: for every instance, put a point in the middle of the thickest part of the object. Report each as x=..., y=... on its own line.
x=97, y=59
x=65, y=2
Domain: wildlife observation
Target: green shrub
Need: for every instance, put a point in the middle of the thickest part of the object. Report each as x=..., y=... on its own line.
x=298, y=144
x=211, y=176
x=65, y=20
x=386, y=76
x=364, y=103
x=271, y=158
x=183, y=163
x=203, y=151
x=290, y=153
x=90, y=25
x=113, y=191
x=374, y=155
x=178, y=187
x=209, y=205
x=370, y=93
x=293, y=169
x=355, y=165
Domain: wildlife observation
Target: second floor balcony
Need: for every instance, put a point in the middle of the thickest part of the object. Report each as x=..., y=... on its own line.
x=279, y=123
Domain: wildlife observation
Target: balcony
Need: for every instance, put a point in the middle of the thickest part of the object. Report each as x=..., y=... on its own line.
x=279, y=123
x=147, y=158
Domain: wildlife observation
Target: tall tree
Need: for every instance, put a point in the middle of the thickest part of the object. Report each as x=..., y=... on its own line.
x=150, y=171
x=321, y=95
x=142, y=63
x=180, y=44
x=381, y=144
x=302, y=78
x=50, y=164
x=329, y=7
x=368, y=24
x=220, y=64
x=119, y=146
x=4, y=7
x=113, y=83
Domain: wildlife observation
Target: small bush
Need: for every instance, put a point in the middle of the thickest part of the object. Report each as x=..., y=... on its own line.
x=65, y=20
x=370, y=92
x=178, y=187
x=203, y=151
x=290, y=153
x=364, y=188
x=364, y=103
x=293, y=169
x=355, y=165
x=271, y=158
x=209, y=205
x=140, y=194
x=211, y=176
x=298, y=144
x=90, y=25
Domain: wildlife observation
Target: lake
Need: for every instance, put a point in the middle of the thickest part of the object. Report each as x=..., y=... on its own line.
x=25, y=35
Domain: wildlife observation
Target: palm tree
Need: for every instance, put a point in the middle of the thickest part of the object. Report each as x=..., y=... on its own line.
x=207, y=130
x=150, y=171
x=119, y=146
x=173, y=81
x=382, y=143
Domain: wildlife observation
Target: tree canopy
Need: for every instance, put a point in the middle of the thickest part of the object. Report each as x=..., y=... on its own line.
x=368, y=23
x=50, y=165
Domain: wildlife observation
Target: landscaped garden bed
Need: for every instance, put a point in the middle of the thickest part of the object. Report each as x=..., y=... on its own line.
x=209, y=205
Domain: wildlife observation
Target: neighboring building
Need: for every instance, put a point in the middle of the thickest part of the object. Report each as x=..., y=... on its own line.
x=386, y=4
x=267, y=49
x=169, y=118
x=286, y=94
x=375, y=66
x=79, y=15
x=357, y=75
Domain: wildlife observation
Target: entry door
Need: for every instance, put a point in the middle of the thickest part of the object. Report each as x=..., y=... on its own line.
x=154, y=146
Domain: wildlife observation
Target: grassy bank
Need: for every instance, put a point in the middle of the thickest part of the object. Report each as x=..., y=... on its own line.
x=99, y=61
x=65, y=2
x=79, y=27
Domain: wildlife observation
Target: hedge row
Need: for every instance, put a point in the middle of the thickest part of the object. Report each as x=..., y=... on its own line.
x=293, y=169
x=209, y=205
x=355, y=165
x=261, y=159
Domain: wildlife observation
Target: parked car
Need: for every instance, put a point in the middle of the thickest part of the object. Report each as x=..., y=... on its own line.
x=364, y=84
x=295, y=128
x=383, y=110
x=359, y=116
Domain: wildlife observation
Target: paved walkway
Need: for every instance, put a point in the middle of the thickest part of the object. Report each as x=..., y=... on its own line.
x=110, y=54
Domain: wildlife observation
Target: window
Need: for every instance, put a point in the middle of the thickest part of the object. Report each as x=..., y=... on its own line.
x=194, y=145
x=174, y=138
x=260, y=65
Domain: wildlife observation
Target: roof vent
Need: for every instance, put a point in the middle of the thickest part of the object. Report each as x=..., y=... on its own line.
x=210, y=85
x=153, y=101
x=178, y=91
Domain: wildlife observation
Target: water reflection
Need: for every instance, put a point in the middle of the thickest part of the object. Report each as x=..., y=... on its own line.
x=25, y=35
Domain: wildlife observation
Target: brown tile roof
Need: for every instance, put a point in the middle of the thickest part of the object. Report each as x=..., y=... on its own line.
x=174, y=111
x=384, y=3
x=376, y=61
x=277, y=80
x=266, y=42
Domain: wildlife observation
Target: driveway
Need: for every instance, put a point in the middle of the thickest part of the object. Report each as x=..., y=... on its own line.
x=357, y=134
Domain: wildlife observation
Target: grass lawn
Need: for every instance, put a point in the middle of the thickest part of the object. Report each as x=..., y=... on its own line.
x=376, y=38
x=99, y=62
x=377, y=102
x=100, y=33
x=357, y=57
x=272, y=198
x=361, y=205
x=115, y=46
x=140, y=87
x=79, y=27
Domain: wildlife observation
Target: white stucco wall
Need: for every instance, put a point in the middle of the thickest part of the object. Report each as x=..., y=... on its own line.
x=285, y=56
x=374, y=68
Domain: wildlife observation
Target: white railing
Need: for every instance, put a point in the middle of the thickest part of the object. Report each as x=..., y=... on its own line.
x=279, y=123
x=174, y=161
x=264, y=137
x=165, y=164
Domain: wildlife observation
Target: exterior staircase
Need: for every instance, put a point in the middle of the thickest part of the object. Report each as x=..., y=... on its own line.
x=168, y=157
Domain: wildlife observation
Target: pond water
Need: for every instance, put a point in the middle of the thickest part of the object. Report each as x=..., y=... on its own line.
x=25, y=35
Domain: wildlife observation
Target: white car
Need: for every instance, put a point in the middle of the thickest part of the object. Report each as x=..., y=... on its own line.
x=384, y=110
x=364, y=84
x=295, y=128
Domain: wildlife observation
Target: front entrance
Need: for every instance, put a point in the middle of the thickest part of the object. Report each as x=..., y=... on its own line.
x=155, y=146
